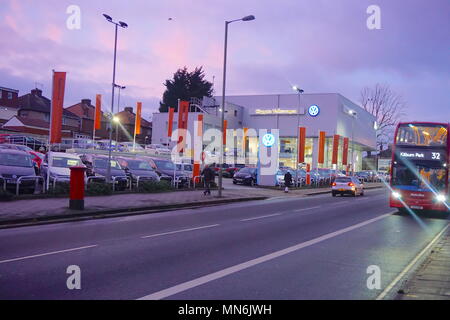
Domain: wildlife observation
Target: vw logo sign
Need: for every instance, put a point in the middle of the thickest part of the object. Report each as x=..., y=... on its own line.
x=268, y=139
x=314, y=110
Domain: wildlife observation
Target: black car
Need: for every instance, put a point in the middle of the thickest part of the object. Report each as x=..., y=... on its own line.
x=15, y=164
x=97, y=165
x=166, y=170
x=138, y=169
x=246, y=176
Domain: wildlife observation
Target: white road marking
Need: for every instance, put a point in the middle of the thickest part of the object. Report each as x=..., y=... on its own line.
x=304, y=209
x=410, y=265
x=177, y=231
x=260, y=217
x=236, y=268
x=47, y=254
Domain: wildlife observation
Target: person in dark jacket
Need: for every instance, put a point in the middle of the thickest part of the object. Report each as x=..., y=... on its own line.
x=208, y=177
x=287, y=181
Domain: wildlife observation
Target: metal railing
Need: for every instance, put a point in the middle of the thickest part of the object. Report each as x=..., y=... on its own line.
x=194, y=183
x=115, y=181
x=35, y=178
x=91, y=178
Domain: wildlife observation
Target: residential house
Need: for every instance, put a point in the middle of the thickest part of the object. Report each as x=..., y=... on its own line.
x=86, y=112
x=127, y=119
x=9, y=104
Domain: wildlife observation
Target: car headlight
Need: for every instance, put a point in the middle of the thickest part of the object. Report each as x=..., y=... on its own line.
x=396, y=195
x=441, y=198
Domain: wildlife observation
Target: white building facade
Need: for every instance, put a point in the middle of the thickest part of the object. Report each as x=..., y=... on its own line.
x=331, y=113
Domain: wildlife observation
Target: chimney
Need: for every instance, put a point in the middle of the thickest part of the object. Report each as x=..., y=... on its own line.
x=36, y=92
x=129, y=109
x=86, y=101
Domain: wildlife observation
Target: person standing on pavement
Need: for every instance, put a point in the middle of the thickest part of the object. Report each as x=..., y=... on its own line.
x=208, y=177
x=287, y=181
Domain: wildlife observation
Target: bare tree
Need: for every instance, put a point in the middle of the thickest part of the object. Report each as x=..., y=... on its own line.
x=386, y=106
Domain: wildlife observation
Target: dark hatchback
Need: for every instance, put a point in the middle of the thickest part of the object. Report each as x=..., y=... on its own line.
x=138, y=169
x=15, y=164
x=98, y=165
x=166, y=170
x=245, y=176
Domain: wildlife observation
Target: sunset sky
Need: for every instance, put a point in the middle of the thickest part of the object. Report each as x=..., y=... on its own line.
x=319, y=45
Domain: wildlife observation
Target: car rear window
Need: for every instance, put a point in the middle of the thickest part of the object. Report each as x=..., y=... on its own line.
x=343, y=179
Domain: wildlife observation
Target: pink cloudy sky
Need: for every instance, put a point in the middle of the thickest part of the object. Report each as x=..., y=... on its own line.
x=321, y=45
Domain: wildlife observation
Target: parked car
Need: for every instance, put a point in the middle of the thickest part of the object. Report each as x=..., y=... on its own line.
x=131, y=147
x=30, y=142
x=166, y=170
x=187, y=168
x=347, y=185
x=97, y=166
x=56, y=166
x=37, y=157
x=104, y=145
x=246, y=176
x=158, y=149
x=231, y=170
x=138, y=169
x=15, y=165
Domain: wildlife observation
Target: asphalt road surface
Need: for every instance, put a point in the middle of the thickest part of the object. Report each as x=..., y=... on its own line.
x=305, y=248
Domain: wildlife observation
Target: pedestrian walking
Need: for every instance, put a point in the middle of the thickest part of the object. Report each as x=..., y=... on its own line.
x=287, y=181
x=208, y=177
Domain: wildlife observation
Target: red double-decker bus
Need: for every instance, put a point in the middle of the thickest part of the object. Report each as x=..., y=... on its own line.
x=419, y=168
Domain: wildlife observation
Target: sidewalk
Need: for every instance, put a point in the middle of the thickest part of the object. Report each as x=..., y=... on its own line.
x=432, y=280
x=49, y=208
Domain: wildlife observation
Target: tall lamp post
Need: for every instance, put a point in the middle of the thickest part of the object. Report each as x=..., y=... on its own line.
x=353, y=114
x=116, y=25
x=246, y=18
x=299, y=91
x=118, y=110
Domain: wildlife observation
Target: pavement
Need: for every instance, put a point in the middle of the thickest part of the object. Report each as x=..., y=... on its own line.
x=280, y=248
x=431, y=281
x=35, y=210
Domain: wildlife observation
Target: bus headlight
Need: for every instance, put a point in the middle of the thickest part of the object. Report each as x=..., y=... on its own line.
x=396, y=195
x=441, y=198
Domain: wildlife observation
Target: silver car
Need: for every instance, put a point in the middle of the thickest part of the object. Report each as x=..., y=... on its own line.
x=347, y=185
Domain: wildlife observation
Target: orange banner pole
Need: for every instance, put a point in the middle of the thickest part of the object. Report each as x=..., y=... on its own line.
x=59, y=83
x=98, y=112
x=137, y=122
x=334, y=158
x=170, y=122
x=345, y=152
x=224, y=133
x=321, y=156
x=301, y=144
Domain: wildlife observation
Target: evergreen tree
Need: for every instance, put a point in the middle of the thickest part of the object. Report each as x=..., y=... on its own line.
x=183, y=86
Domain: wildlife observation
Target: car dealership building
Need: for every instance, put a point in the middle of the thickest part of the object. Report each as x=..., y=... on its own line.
x=329, y=112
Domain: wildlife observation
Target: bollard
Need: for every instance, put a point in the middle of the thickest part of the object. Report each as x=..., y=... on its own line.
x=76, y=201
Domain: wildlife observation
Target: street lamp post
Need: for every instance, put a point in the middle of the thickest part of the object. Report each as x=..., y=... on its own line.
x=118, y=110
x=123, y=25
x=353, y=114
x=299, y=91
x=247, y=18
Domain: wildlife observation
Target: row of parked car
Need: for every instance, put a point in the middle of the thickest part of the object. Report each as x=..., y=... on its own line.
x=82, y=143
x=23, y=170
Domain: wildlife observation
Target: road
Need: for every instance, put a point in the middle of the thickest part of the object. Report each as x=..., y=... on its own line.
x=303, y=248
